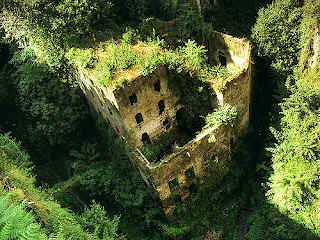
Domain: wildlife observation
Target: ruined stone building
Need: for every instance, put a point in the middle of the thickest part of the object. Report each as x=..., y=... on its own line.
x=148, y=108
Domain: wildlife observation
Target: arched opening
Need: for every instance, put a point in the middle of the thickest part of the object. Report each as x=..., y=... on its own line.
x=157, y=86
x=133, y=98
x=139, y=118
x=146, y=138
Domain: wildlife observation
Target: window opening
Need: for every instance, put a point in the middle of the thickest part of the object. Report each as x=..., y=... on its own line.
x=223, y=60
x=166, y=124
x=174, y=184
x=92, y=94
x=157, y=86
x=161, y=107
x=101, y=102
x=139, y=118
x=111, y=113
x=190, y=176
x=145, y=138
x=133, y=99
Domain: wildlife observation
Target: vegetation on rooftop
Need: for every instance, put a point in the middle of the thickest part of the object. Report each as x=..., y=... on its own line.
x=145, y=57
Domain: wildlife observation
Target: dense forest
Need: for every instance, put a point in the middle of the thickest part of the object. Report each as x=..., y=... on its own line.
x=66, y=175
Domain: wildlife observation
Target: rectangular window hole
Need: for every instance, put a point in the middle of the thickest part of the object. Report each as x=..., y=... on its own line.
x=161, y=107
x=190, y=174
x=139, y=118
x=174, y=184
x=133, y=99
x=157, y=86
x=222, y=60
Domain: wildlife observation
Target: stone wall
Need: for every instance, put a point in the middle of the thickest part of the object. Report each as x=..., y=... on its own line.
x=144, y=105
x=147, y=105
x=104, y=102
x=237, y=51
x=237, y=93
x=188, y=166
x=237, y=90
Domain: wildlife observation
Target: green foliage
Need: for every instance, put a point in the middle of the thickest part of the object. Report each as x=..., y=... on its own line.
x=190, y=24
x=104, y=177
x=151, y=151
x=276, y=33
x=80, y=58
x=155, y=151
x=110, y=176
x=294, y=183
x=266, y=222
x=53, y=108
x=117, y=56
x=224, y=114
x=192, y=57
x=217, y=75
x=148, y=56
x=95, y=220
x=54, y=26
x=17, y=184
x=11, y=150
x=16, y=222
x=149, y=62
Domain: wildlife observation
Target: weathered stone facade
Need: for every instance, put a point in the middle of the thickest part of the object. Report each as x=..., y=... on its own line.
x=182, y=171
x=146, y=106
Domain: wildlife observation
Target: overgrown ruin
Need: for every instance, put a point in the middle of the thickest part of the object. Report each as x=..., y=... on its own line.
x=145, y=108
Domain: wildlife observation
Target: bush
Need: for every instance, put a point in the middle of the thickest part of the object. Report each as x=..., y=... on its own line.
x=225, y=114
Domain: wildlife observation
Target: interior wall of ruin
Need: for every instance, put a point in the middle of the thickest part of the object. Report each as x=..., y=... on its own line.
x=236, y=50
x=147, y=105
x=195, y=156
x=238, y=94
